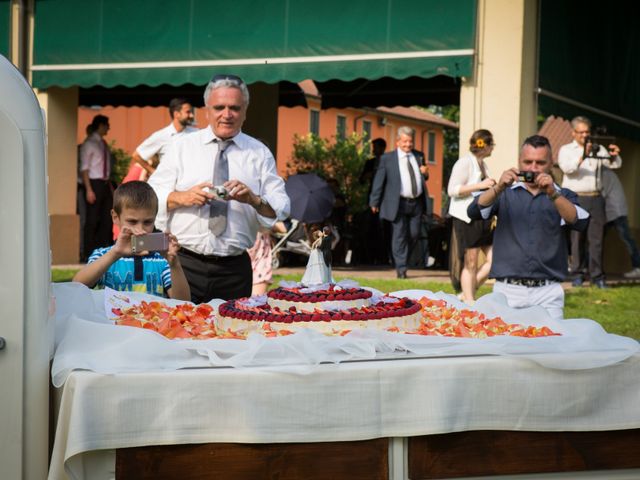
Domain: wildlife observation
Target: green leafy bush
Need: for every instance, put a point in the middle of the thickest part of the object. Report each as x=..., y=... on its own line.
x=341, y=159
x=121, y=162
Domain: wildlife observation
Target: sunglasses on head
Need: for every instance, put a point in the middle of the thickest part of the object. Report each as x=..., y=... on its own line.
x=233, y=78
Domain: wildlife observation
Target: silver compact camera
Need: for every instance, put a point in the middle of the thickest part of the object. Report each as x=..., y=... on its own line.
x=220, y=192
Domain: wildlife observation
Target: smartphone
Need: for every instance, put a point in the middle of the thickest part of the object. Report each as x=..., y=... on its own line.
x=152, y=242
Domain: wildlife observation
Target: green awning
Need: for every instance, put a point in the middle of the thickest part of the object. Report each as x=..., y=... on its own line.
x=5, y=27
x=151, y=42
x=589, y=64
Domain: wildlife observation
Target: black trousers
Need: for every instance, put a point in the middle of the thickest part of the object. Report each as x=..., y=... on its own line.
x=405, y=230
x=98, y=227
x=210, y=276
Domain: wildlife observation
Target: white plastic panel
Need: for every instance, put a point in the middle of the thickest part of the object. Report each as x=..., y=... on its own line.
x=25, y=270
x=11, y=295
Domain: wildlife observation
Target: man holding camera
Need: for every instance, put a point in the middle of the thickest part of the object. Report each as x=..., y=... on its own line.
x=215, y=226
x=529, y=250
x=582, y=161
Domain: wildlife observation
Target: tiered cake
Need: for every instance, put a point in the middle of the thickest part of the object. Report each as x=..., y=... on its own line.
x=320, y=304
x=331, y=310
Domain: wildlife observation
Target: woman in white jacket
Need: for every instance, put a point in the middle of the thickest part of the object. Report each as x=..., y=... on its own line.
x=470, y=174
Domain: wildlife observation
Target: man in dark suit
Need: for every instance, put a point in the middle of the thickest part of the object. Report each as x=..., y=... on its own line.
x=399, y=194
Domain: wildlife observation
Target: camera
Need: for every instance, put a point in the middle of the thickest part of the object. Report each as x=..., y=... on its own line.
x=219, y=191
x=599, y=139
x=527, y=177
x=595, y=147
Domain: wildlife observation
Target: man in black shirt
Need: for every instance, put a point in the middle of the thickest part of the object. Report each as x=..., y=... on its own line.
x=529, y=247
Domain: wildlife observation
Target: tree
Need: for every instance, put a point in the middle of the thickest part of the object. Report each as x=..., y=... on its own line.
x=341, y=159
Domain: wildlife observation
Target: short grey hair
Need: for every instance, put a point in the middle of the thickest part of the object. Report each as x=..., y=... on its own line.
x=227, y=83
x=580, y=119
x=404, y=130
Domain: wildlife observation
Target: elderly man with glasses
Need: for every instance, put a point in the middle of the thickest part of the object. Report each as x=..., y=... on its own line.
x=216, y=187
x=582, y=168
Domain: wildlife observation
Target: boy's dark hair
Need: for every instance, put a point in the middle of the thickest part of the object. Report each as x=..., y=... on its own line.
x=175, y=105
x=135, y=194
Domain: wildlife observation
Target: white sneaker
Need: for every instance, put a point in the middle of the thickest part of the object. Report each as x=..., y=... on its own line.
x=431, y=262
x=635, y=273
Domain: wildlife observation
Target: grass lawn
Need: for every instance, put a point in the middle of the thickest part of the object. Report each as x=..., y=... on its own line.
x=617, y=309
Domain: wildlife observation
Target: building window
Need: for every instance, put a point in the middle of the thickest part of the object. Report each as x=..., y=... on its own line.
x=341, y=129
x=366, y=129
x=314, y=122
x=431, y=155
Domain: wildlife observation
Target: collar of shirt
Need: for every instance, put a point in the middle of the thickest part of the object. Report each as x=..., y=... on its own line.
x=403, y=154
x=239, y=139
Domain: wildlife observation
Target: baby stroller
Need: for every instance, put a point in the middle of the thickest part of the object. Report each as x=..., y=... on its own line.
x=293, y=241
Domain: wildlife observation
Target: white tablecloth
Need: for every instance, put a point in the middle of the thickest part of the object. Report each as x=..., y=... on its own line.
x=87, y=339
x=349, y=401
x=123, y=386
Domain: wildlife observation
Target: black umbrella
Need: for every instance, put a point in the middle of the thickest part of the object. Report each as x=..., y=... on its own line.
x=311, y=197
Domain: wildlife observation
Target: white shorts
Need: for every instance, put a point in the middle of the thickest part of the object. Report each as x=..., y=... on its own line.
x=550, y=297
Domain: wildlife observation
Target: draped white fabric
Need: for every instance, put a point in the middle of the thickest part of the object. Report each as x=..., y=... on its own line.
x=281, y=391
x=86, y=339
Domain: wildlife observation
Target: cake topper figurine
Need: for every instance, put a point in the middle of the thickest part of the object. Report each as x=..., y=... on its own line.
x=318, y=271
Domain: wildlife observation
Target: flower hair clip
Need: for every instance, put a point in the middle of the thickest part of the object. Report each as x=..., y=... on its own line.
x=480, y=143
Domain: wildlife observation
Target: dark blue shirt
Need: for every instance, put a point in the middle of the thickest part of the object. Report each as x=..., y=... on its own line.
x=529, y=240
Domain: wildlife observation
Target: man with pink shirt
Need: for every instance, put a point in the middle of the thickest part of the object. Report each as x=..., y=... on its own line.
x=95, y=170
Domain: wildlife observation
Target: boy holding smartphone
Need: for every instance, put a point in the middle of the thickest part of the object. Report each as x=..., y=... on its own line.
x=124, y=268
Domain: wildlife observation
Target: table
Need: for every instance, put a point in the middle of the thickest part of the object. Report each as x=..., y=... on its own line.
x=391, y=406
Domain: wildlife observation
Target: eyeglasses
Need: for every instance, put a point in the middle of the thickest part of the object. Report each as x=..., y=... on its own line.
x=582, y=132
x=223, y=76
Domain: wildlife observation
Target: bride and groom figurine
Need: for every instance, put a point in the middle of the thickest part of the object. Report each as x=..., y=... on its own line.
x=318, y=271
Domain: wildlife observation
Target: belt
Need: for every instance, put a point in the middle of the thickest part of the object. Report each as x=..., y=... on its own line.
x=588, y=194
x=208, y=258
x=409, y=199
x=527, y=282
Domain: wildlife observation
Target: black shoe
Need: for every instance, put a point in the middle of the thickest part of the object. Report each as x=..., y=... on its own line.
x=402, y=274
x=600, y=283
x=577, y=282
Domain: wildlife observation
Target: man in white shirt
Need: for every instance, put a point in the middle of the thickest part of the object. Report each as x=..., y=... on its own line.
x=95, y=170
x=150, y=152
x=216, y=227
x=398, y=193
x=582, y=174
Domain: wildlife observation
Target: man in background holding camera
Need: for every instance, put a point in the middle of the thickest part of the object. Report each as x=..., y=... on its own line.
x=529, y=249
x=215, y=226
x=582, y=161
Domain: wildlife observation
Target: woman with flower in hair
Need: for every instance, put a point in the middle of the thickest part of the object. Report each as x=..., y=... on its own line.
x=470, y=174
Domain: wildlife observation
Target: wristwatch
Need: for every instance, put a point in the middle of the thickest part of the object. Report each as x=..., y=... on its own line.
x=260, y=203
x=554, y=195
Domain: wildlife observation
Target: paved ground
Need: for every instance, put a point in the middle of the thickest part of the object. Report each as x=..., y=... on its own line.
x=365, y=271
